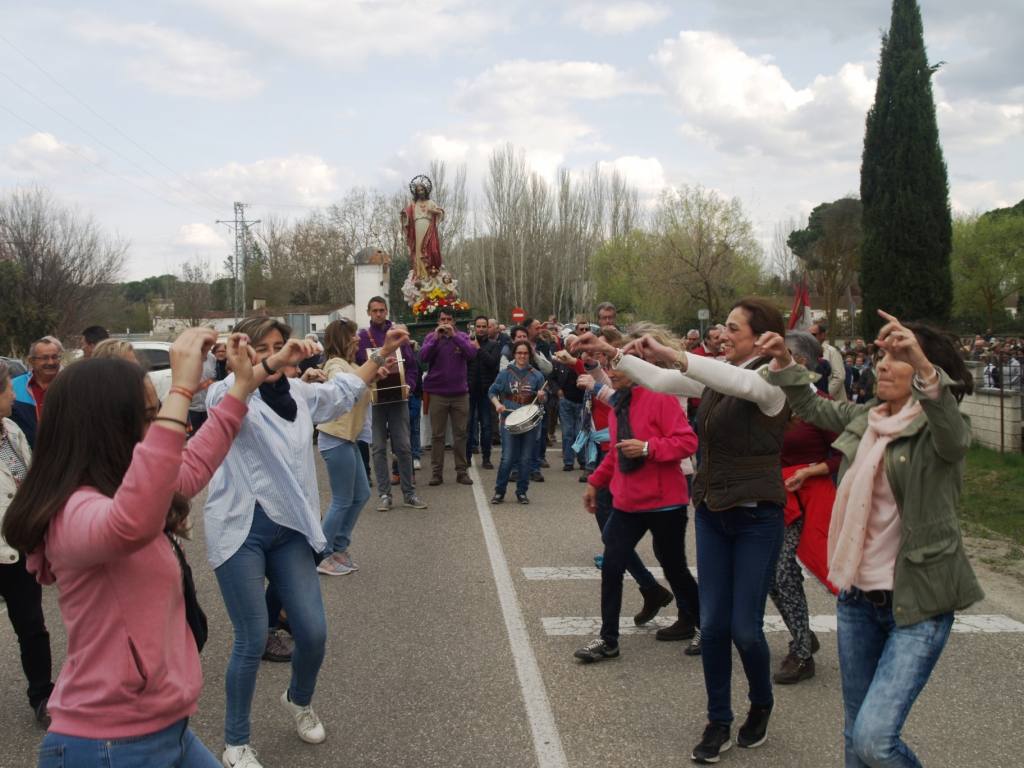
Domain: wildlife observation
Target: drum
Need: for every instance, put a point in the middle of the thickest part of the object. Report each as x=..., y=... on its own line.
x=392, y=389
x=522, y=420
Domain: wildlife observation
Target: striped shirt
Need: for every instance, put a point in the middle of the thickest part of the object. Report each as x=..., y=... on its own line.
x=10, y=456
x=271, y=463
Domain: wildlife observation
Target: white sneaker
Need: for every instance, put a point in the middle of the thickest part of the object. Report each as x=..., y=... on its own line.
x=240, y=757
x=308, y=725
x=416, y=464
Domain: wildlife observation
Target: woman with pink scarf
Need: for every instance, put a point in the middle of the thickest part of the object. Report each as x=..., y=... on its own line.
x=895, y=549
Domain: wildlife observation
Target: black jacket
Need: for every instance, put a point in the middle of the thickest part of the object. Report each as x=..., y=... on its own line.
x=482, y=370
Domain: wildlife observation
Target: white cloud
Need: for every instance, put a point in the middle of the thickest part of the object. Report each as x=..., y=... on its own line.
x=967, y=196
x=969, y=123
x=300, y=180
x=201, y=236
x=614, y=18
x=645, y=173
x=743, y=104
x=173, y=62
x=43, y=154
x=348, y=32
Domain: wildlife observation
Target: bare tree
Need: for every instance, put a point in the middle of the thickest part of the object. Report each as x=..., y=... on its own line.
x=781, y=259
x=192, y=292
x=61, y=258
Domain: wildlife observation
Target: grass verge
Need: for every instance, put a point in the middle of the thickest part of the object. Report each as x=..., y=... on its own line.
x=992, y=505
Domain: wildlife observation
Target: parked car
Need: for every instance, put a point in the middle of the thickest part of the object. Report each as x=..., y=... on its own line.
x=17, y=368
x=155, y=357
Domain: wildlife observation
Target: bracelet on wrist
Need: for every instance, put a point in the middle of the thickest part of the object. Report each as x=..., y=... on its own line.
x=179, y=422
x=617, y=359
x=188, y=394
x=266, y=367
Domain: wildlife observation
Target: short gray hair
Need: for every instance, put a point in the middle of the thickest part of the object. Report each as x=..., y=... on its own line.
x=607, y=305
x=45, y=340
x=802, y=344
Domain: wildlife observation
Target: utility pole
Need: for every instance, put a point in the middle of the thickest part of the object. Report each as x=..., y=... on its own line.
x=240, y=261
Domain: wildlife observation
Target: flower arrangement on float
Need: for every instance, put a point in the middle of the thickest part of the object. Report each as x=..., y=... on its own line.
x=427, y=296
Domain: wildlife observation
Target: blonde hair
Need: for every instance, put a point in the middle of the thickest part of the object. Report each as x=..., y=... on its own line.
x=659, y=333
x=116, y=348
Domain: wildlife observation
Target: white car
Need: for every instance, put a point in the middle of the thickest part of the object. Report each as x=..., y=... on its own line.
x=155, y=357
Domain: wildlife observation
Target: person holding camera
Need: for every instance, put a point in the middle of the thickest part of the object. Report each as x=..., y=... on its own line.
x=446, y=352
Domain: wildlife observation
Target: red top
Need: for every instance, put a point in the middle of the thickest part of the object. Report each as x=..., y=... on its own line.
x=599, y=411
x=804, y=443
x=659, y=483
x=38, y=394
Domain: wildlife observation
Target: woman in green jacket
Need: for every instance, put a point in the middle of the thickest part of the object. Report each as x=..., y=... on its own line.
x=895, y=548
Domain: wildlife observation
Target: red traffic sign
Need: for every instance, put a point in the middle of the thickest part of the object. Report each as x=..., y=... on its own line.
x=518, y=315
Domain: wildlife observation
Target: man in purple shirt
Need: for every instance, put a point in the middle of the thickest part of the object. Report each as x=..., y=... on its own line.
x=446, y=351
x=390, y=418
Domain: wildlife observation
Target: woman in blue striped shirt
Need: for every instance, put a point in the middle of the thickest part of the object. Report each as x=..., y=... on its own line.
x=263, y=522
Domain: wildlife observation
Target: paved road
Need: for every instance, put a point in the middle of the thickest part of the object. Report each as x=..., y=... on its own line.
x=443, y=651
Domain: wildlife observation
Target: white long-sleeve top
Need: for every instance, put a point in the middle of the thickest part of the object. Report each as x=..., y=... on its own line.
x=271, y=462
x=704, y=372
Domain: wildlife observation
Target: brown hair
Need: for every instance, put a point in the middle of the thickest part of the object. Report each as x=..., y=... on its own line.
x=258, y=327
x=941, y=350
x=115, y=348
x=612, y=335
x=338, y=337
x=95, y=416
x=762, y=315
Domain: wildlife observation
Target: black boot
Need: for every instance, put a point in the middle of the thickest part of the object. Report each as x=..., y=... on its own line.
x=655, y=598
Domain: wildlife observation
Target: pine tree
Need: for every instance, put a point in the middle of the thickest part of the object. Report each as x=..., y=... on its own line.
x=905, y=257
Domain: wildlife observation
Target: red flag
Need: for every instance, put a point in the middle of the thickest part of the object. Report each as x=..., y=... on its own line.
x=800, y=315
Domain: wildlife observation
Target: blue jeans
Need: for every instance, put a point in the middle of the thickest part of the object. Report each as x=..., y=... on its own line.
x=283, y=556
x=479, y=425
x=415, y=413
x=173, y=747
x=350, y=491
x=569, y=416
x=621, y=535
x=736, y=554
x=516, y=451
x=884, y=668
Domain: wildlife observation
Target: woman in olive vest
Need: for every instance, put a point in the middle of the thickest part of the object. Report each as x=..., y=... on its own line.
x=894, y=544
x=739, y=499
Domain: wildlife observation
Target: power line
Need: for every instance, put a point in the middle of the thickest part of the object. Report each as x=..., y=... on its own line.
x=91, y=161
x=100, y=141
x=109, y=124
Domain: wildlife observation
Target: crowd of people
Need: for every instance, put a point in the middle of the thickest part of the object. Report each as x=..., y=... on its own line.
x=781, y=445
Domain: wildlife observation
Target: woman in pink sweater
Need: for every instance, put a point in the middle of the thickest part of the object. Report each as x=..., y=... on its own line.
x=649, y=437
x=112, y=476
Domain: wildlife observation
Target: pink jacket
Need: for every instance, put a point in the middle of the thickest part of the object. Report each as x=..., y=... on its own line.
x=660, y=421
x=132, y=667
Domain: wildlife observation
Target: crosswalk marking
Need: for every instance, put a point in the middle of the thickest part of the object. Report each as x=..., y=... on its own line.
x=823, y=623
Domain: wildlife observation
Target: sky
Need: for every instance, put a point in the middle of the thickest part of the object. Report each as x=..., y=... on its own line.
x=155, y=117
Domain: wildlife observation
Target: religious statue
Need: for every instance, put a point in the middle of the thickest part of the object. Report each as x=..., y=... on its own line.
x=419, y=220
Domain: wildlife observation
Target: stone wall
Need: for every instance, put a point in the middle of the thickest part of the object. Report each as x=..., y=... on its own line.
x=983, y=408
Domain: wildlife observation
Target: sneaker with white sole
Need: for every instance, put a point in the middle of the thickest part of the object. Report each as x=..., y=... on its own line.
x=416, y=464
x=334, y=566
x=346, y=559
x=384, y=505
x=415, y=502
x=240, y=757
x=308, y=725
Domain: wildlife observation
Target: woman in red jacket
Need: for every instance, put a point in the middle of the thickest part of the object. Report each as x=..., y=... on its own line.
x=649, y=436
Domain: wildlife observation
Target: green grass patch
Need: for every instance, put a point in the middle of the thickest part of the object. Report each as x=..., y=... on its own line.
x=993, y=496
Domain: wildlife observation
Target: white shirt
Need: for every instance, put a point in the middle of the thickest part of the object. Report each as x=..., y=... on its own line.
x=706, y=373
x=271, y=463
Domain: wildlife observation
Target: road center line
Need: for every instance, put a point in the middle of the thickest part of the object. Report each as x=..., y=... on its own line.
x=546, y=741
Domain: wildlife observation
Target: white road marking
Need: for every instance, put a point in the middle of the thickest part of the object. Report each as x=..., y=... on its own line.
x=587, y=573
x=547, y=742
x=824, y=623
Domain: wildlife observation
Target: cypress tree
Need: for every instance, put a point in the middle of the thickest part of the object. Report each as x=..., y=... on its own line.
x=905, y=256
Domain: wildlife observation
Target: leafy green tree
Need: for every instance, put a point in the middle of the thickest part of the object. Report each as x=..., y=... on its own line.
x=21, y=321
x=988, y=264
x=907, y=225
x=620, y=269
x=829, y=247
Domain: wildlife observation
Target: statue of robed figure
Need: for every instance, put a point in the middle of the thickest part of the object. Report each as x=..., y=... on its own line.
x=419, y=220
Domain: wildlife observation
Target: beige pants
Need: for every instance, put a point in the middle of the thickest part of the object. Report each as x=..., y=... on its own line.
x=441, y=410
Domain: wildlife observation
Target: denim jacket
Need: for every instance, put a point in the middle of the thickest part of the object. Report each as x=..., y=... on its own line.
x=924, y=466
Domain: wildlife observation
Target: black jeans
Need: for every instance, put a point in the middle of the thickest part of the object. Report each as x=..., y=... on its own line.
x=24, y=599
x=622, y=533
